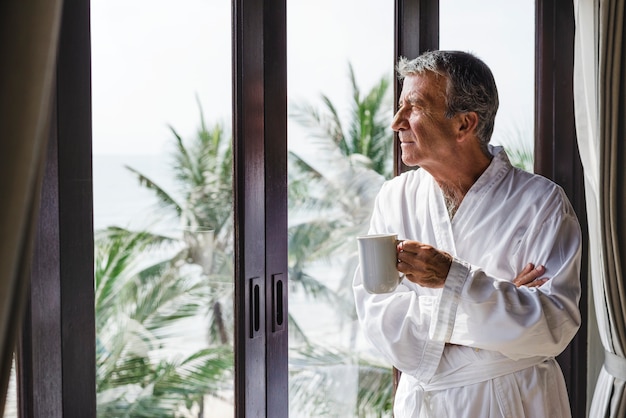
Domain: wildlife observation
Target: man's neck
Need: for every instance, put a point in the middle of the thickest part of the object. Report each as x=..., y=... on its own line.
x=460, y=180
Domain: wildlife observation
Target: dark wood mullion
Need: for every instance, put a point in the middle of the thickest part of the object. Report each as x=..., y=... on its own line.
x=275, y=110
x=416, y=30
x=249, y=207
x=557, y=157
x=78, y=334
x=57, y=351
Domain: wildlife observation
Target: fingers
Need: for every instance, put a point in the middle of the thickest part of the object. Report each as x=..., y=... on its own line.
x=530, y=276
x=410, y=246
x=423, y=264
x=537, y=282
x=527, y=269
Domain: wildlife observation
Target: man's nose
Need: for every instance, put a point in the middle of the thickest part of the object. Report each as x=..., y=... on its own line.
x=399, y=122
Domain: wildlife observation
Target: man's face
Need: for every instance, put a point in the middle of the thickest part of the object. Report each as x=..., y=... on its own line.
x=427, y=137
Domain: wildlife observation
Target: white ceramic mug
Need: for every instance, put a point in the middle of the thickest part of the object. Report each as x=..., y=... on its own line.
x=378, y=258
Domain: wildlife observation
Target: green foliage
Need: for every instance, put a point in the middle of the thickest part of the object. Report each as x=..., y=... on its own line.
x=202, y=169
x=148, y=288
x=332, y=187
x=517, y=140
x=140, y=307
x=366, y=136
x=328, y=381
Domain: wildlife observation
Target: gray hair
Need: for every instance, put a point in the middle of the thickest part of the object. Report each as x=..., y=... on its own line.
x=470, y=85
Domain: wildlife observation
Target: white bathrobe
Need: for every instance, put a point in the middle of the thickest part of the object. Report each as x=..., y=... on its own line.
x=480, y=347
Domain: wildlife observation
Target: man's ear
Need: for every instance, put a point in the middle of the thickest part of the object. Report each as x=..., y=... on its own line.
x=468, y=122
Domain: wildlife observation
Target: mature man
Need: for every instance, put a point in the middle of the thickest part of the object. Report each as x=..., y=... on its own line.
x=475, y=325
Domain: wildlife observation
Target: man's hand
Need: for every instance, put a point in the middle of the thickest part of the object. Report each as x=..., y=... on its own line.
x=529, y=276
x=423, y=264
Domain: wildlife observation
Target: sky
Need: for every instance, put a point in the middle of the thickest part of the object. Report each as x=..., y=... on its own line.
x=154, y=60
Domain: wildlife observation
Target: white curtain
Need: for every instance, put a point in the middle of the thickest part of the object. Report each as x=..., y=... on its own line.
x=28, y=44
x=600, y=108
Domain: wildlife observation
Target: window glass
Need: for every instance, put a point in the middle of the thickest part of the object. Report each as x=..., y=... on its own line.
x=162, y=207
x=340, y=102
x=503, y=35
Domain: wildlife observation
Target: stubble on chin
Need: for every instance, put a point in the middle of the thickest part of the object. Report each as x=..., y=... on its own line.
x=409, y=158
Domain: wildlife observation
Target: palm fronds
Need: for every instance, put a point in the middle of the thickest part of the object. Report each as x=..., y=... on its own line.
x=334, y=382
x=151, y=290
x=332, y=188
x=368, y=133
x=161, y=388
x=517, y=140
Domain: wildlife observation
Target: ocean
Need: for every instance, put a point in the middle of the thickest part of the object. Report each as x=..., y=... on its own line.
x=119, y=199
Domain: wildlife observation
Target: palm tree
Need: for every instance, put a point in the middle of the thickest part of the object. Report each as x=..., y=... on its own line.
x=148, y=285
x=141, y=303
x=202, y=203
x=203, y=206
x=366, y=137
x=332, y=187
x=331, y=195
